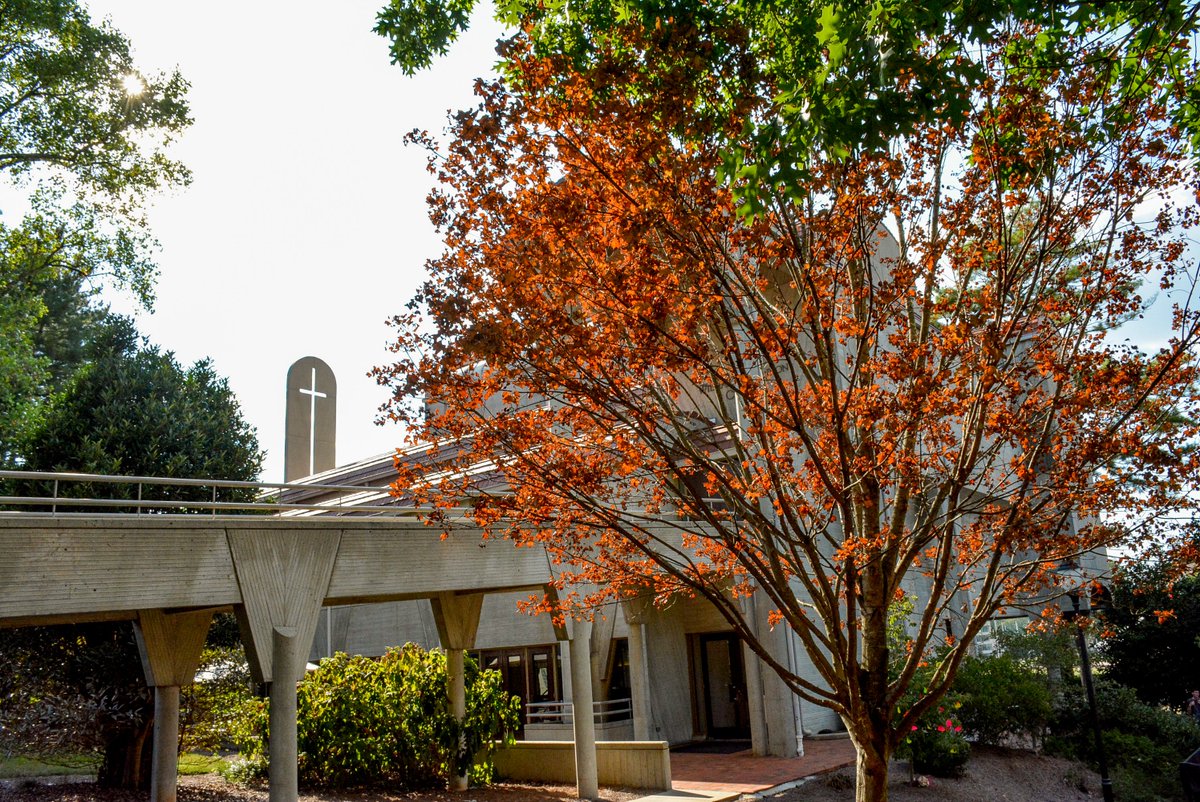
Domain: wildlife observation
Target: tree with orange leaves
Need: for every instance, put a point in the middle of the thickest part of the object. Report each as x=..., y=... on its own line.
x=898, y=377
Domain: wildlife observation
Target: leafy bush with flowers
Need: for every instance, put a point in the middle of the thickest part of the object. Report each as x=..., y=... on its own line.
x=936, y=745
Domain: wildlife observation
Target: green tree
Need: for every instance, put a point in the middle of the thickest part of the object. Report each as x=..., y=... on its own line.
x=83, y=134
x=130, y=409
x=844, y=76
x=72, y=99
x=77, y=688
x=1150, y=642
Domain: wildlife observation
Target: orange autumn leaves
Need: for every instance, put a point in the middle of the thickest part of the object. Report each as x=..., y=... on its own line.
x=897, y=373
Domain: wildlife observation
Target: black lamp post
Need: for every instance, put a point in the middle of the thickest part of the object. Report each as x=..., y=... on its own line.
x=1079, y=609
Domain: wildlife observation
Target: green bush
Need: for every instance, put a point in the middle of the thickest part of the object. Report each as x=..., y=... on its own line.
x=1001, y=699
x=210, y=707
x=1143, y=744
x=363, y=721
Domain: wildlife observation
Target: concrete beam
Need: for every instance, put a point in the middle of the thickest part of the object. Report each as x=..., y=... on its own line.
x=83, y=570
x=283, y=581
x=108, y=567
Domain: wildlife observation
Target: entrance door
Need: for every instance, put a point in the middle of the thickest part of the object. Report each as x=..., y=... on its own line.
x=529, y=672
x=722, y=675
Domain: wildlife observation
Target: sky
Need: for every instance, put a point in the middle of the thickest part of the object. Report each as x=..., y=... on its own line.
x=305, y=227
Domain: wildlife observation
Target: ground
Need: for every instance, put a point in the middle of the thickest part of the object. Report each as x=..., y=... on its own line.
x=211, y=788
x=991, y=776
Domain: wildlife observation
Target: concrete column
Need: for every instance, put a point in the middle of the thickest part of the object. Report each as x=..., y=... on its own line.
x=754, y=694
x=164, y=771
x=639, y=681
x=170, y=646
x=458, y=704
x=752, y=667
x=287, y=660
x=457, y=620
x=586, y=777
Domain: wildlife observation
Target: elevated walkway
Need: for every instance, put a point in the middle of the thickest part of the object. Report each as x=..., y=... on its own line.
x=156, y=562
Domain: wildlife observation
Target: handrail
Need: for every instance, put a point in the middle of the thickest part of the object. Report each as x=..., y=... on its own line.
x=345, y=499
x=561, y=711
x=172, y=480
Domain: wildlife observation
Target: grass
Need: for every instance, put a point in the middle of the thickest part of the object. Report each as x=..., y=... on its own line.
x=191, y=763
x=16, y=766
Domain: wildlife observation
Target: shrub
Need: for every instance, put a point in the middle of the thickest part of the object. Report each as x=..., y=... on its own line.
x=1144, y=744
x=936, y=745
x=210, y=707
x=362, y=721
x=1001, y=699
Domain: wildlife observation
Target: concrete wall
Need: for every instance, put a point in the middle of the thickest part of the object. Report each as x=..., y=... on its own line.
x=501, y=624
x=633, y=764
x=371, y=629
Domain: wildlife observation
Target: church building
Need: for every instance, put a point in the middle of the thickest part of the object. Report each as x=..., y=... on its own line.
x=678, y=674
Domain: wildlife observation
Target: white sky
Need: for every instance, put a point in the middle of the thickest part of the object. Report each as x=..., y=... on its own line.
x=305, y=226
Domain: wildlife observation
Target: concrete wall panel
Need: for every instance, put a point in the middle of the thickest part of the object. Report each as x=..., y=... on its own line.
x=82, y=569
x=414, y=562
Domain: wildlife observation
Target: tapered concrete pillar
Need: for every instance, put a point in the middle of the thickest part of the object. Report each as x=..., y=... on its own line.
x=170, y=646
x=586, y=777
x=283, y=582
x=283, y=772
x=457, y=620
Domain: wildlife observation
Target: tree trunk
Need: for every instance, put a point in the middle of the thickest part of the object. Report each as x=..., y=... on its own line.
x=126, y=764
x=871, y=775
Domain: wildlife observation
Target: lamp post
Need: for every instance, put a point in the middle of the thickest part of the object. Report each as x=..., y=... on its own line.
x=1078, y=610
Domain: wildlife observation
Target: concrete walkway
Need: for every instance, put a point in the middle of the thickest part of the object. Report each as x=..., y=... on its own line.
x=719, y=777
x=690, y=796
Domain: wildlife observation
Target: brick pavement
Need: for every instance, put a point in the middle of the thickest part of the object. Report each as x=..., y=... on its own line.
x=745, y=773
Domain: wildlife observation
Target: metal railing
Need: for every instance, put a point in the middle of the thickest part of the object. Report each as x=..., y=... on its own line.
x=562, y=711
x=150, y=495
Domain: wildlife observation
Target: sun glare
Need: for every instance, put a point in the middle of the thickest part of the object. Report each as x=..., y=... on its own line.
x=134, y=85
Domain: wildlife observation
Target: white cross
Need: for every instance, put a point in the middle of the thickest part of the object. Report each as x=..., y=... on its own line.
x=313, y=395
